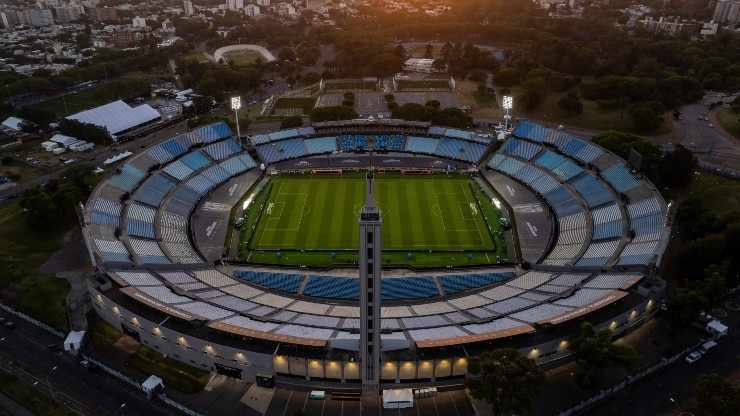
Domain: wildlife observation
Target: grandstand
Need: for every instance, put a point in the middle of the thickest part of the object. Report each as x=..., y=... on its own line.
x=157, y=284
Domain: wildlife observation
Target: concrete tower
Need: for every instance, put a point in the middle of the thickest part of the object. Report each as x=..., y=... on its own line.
x=370, y=237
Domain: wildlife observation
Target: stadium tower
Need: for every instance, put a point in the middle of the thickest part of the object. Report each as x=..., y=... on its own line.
x=370, y=237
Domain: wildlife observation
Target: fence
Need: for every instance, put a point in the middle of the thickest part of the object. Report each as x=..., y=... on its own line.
x=587, y=403
x=137, y=385
x=33, y=320
x=723, y=171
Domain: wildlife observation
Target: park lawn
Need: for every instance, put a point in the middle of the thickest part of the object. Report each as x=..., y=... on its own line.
x=243, y=57
x=175, y=374
x=195, y=56
x=24, y=250
x=730, y=121
x=418, y=51
x=66, y=104
x=31, y=398
x=717, y=194
x=102, y=333
x=481, y=105
x=19, y=172
x=592, y=118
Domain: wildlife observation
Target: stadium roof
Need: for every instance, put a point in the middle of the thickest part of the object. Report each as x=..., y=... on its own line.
x=117, y=117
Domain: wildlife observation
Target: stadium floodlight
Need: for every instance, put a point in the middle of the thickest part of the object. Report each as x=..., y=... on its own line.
x=507, y=103
x=236, y=104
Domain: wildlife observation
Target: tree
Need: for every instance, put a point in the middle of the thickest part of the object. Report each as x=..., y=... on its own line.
x=429, y=51
x=311, y=78
x=677, y=167
x=287, y=54
x=645, y=119
x=505, y=379
x=595, y=352
x=714, y=396
x=696, y=255
x=84, y=131
x=534, y=91
x=292, y=121
x=570, y=105
x=507, y=77
x=40, y=115
x=685, y=305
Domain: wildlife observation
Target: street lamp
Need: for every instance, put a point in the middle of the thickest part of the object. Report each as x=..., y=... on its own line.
x=507, y=103
x=48, y=383
x=236, y=104
x=119, y=409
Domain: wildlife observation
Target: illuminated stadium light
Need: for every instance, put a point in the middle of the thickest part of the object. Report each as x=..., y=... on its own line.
x=507, y=104
x=236, y=104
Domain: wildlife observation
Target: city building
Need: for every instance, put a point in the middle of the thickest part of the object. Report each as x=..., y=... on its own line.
x=709, y=29
x=262, y=2
x=187, y=6
x=122, y=38
x=168, y=25
x=66, y=14
x=100, y=14
x=727, y=12
x=9, y=19
x=234, y=4
x=252, y=10
x=36, y=17
x=419, y=65
x=139, y=22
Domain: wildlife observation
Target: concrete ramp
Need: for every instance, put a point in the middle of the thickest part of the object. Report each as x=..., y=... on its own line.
x=258, y=398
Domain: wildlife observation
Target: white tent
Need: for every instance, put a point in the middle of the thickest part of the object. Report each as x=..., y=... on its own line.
x=13, y=123
x=63, y=140
x=117, y=157
x=717, y=328
x=398, y=399
x=118, y=116
x=151, y=384
x=73, y=342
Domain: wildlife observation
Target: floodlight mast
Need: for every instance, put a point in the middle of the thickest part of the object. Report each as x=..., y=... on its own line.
x=507, y=103
x=236, y=104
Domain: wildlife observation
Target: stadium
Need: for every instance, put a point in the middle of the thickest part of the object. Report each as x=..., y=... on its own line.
x=240, y=257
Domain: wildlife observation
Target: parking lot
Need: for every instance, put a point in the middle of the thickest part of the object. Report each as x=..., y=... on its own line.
x=168, y=108
x=289, y=402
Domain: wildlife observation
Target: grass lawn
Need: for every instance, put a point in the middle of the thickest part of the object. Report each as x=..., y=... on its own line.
x=717, y=194
x=591, y=118
x=103, y=334
x=730, y=121
x=67, y=104
x=19, y=172
x=418, y=51
x=23, y=252
x=175, y=374
x=481, y=105
x=306, y=104
x=243, y=57
x=307, y=218
x=30, y=398
x=195, y=56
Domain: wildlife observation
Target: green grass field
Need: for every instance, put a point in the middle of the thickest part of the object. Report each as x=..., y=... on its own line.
x=438, y=218
x=243, y=57
x=730, y=120
x=67, y=104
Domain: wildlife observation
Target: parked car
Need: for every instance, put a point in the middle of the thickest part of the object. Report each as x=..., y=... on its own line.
x=10, y=325
x=504, y=223
x=92, y=367
x=693, y=357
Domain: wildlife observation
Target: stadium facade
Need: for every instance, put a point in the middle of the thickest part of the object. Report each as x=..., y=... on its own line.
x=590, y=232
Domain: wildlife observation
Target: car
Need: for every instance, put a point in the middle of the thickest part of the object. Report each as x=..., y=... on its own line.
x=693, y=357
x=10, y=325
x=711, y=126
x=89, y=365
x=504, y=223
x=54, y=347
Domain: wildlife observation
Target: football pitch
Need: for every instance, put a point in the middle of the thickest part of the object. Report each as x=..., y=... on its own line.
x=429, y=212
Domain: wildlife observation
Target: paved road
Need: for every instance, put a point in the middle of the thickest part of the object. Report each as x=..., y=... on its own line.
x=89, y=392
